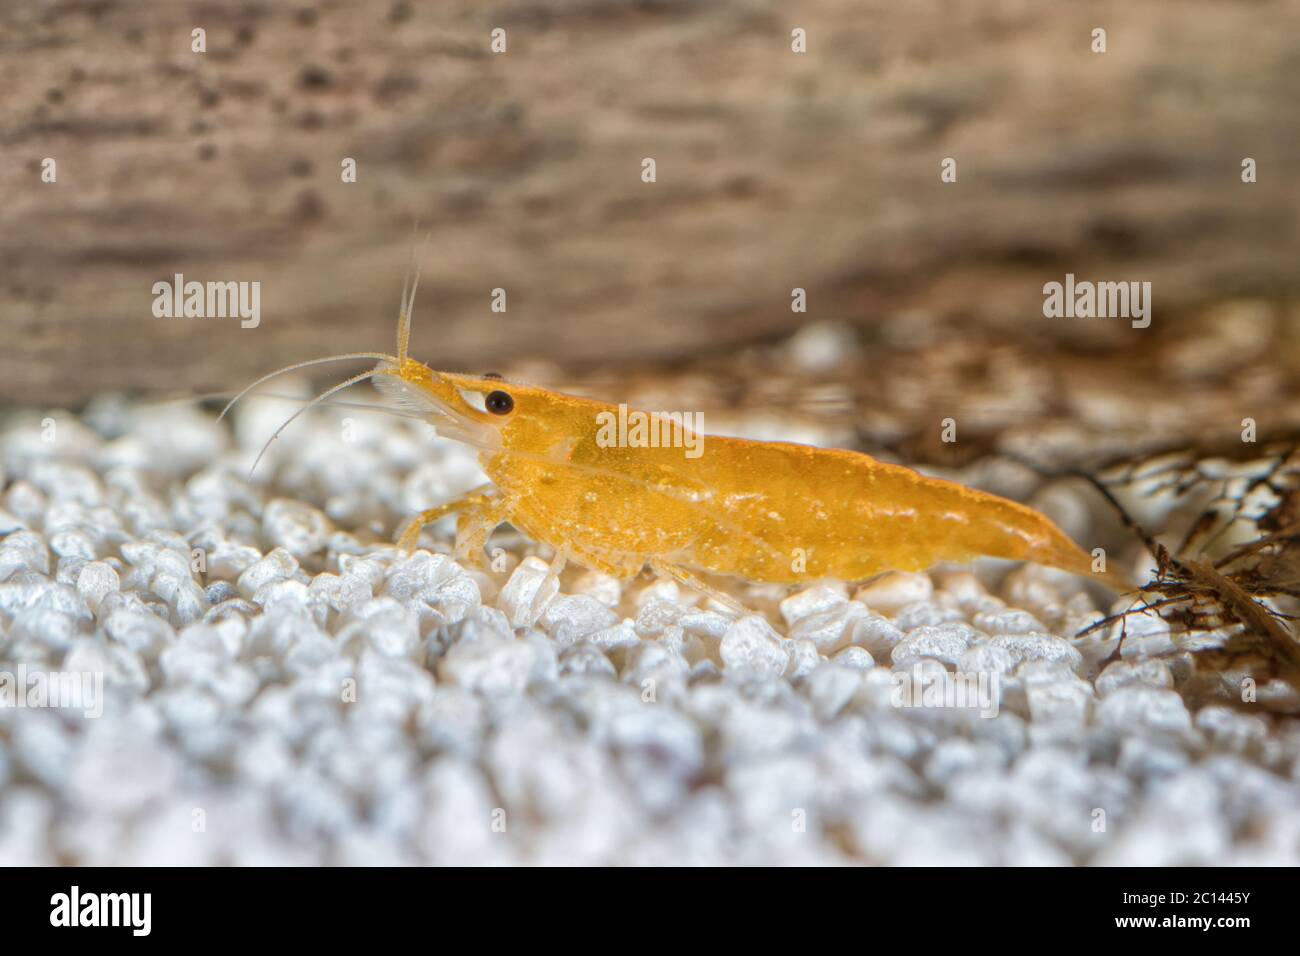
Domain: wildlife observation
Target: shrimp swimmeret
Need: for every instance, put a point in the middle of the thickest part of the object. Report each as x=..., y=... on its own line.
x=763, y=511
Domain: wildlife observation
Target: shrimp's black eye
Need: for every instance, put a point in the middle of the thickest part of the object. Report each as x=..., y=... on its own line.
x=499, y=403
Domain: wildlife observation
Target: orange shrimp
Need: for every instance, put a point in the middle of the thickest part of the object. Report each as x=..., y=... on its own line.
x=763, y=511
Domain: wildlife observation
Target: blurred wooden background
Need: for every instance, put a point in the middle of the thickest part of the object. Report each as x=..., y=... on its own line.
x=775, y=170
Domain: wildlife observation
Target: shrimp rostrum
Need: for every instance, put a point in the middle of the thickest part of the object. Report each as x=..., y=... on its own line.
x=762, y=511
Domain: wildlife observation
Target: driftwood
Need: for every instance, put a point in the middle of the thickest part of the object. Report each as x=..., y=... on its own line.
x=775, y=170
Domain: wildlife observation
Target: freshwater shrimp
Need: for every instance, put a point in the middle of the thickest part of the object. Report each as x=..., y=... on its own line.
x=773, y=512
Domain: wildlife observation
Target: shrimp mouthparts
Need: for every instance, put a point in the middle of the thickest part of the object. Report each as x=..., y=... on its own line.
x=413, y=385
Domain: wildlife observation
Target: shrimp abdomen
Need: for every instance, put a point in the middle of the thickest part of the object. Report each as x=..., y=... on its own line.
x=840, y=514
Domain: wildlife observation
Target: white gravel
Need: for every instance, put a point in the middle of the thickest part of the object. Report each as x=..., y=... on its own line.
x=279, y=686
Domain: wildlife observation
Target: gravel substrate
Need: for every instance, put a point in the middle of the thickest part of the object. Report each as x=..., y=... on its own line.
x=310, y=695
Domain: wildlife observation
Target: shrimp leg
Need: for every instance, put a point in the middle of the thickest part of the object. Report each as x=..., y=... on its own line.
x=476, y=500
x=473, y=528
x=695, y=582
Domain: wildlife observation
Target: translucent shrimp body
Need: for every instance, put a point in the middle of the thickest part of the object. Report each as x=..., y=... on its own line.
x=763, y=511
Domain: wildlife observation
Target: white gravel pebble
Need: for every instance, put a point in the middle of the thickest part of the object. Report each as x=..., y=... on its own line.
x=1154, y=673
x=571, y=618
x=942, y=642
x=1146, y=707
x=95, y=581
x=751, y=644
x=804, y=659
x=298, y=528
x=23, y=551
x=1039, y=647
x=527, y=593
x=491, y=664
x=833, y=627
x=279, y=565
x=892, y=592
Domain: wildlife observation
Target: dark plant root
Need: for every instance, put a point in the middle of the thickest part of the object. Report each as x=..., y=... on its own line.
x=1197, y=595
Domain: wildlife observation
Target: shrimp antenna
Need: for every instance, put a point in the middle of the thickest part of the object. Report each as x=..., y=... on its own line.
x=403, y=322
x=408, y=301
x=312, y=404
x=293, y=368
